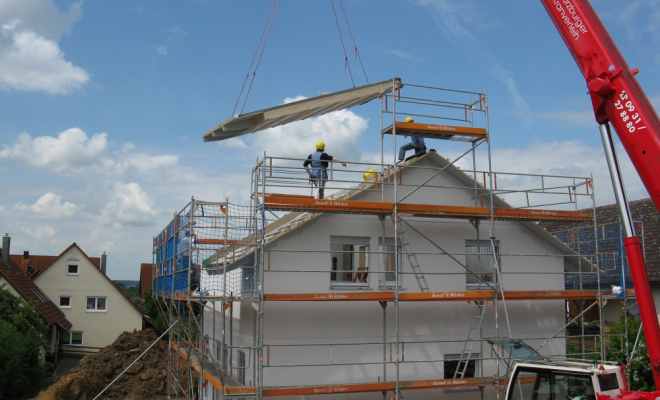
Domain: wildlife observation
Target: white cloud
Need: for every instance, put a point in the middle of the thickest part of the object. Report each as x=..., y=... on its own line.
x=453, y=17
x=129, y=204
x=30, y=57
x=340, y=130
x=161, y=50
x=41, y=232
x=71, y=151
x=572, y=158
x=49, y=206
x=146, y=162
x=292, y=99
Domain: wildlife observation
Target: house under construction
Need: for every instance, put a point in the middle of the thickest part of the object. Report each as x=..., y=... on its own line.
x=415, y=280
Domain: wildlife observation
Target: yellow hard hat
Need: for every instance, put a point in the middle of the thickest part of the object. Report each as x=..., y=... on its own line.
x=320, y=146
x=409, y=119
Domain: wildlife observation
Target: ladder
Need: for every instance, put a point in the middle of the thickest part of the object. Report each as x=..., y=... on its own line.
x=470, y=341
x=402, y=237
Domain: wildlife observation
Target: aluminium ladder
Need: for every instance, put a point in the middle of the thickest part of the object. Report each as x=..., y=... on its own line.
x=475, y=327
x=402, y=237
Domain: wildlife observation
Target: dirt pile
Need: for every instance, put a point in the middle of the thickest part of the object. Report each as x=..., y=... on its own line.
x=146, y=379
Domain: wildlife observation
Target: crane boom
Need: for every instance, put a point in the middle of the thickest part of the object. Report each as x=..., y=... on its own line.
x=619, y=100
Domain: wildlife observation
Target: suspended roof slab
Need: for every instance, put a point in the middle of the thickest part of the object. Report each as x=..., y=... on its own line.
x=286, y=113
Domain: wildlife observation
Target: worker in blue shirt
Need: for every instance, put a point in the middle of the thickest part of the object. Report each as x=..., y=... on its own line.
x=319, y=162
x=416, y=144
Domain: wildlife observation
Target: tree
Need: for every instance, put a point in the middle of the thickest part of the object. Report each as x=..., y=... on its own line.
x=22, y=337
x=152, y=309
x=641, y=375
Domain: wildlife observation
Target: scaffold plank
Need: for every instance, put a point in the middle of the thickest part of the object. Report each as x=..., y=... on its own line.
x=345, y=206
x=378, y=387
x=468, y=295
x=366, y=296
x=435, y=131
x=213, y=379
x=426, y=210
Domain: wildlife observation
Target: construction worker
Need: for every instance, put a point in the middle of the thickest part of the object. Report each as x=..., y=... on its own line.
x=319, y=162
x=416, y=144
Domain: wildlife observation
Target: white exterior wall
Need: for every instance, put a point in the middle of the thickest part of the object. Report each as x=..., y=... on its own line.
x=100, y=328
x=362, y=321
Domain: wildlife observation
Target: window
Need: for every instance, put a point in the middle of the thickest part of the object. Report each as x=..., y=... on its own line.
x=96, y=304
x=544, y=385
x=65, y=301
x=531, y=384
x=241, y=367
x=350, y=258
x=386, y=263
x=72, y=339
x=455, y=367
x=40, y=295
x=72, y=267
x=480, y=263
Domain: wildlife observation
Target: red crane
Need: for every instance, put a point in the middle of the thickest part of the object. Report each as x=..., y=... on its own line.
x=618, y=100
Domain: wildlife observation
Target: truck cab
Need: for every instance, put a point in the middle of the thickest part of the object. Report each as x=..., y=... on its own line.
x=564, y=380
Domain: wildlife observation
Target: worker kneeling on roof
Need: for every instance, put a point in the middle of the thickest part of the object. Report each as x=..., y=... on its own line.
x=319, y=162
x=416, y=144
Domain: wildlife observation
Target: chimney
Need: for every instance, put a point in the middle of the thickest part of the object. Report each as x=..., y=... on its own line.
x=103, y=261
x=6, y=242
x=26, y=255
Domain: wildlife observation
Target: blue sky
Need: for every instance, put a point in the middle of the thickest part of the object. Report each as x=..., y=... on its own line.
x=104, y=102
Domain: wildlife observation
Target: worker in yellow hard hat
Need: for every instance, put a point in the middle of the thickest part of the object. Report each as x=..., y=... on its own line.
x=319, y=162
x=417, y=144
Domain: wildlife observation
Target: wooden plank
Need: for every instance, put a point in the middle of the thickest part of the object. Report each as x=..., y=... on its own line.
x=446, y=211
x=347, y=206
x=378, y=387
x=366, y=296
x=404, y=128
x=443, y=211
x=467, y=295
x=216, y=381
x=232, y=242
x=545, y=215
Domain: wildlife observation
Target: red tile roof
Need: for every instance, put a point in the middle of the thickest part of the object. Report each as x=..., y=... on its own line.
x=643, y=209
x=42, y=263
x=35, y=264
x=146, y=272
x=31, y=292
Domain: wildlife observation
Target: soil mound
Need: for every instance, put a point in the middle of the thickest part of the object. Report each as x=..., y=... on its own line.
x=146, y=379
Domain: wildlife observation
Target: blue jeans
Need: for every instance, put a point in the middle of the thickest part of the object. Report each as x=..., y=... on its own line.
x=406, y=147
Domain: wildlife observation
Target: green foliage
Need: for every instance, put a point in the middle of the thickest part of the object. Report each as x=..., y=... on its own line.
x=151, y=303
x=641, y=375
x=129, y=291
x=22, y=336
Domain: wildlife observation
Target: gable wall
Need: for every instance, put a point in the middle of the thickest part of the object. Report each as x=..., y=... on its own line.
x=351, y=322
x=100, y=328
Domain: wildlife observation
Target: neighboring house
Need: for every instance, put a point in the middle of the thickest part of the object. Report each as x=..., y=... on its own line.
x=146, y=276
x=332, y=253
x=20, y=285
x=645, y=215
x=77, y=283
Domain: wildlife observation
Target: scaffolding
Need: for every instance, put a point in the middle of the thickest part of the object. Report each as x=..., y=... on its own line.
x=215, y=261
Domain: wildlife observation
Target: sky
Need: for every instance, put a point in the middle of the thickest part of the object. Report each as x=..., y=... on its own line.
x=104, y=103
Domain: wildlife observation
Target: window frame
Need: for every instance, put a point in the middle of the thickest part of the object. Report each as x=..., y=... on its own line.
x=360, y=278
x=96, y=309
x=60, y=302
x=474, y=358
x=70, y=341
x=73, y=263
x=486, y=244
x=383, y=283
